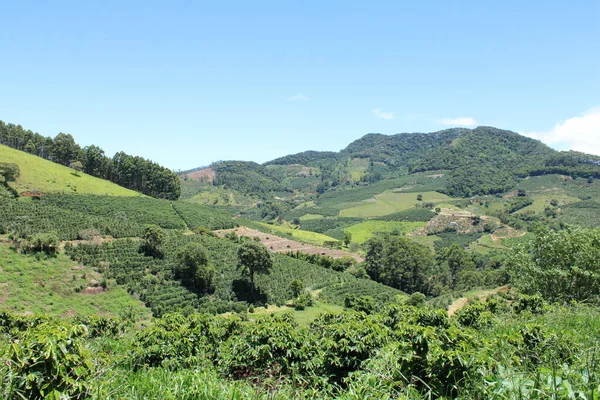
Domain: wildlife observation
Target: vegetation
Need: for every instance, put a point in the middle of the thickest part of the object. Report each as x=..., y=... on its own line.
x=125, y=170
x=37, y=175
x=231, y=319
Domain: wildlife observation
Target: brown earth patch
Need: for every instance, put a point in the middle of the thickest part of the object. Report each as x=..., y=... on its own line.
x=202, y=175
x=481, y=296
x=279, y=244
x=93, y=290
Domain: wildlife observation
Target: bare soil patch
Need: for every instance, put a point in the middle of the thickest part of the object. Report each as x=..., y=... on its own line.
x=205, y=175
x=482, y=296
x=279, y=244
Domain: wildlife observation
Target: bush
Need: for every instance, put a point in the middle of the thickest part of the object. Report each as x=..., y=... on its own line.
x=303, y=301
x=41, y=243
x=50, y=361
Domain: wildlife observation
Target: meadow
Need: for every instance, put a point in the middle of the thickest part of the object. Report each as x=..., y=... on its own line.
x=57, y=286
x=391, y=202
x=40, y=175
x=363, y=231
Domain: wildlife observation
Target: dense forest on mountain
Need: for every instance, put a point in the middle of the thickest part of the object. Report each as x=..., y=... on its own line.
x=132, y=172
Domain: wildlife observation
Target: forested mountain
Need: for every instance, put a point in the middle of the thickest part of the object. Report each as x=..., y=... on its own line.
x=479, y=161
x=132, y=172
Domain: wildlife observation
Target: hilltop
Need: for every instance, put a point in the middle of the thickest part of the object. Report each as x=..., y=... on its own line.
x=39, y=175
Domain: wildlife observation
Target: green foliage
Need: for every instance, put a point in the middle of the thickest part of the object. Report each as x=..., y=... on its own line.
x=247, y=177
x=303, y=301
x=49, y=360
x=26, y=218
x=123, y=169
x=196, y=216
x=296, y=287
x=141, y=210
x=400, y=263
x=153, y=240
x=41, y=243
x=559, y=265
x=448, y=239
x=420, y=214
x=194, y=269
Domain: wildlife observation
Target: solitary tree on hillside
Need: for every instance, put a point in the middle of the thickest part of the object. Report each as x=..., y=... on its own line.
x=254, y=258
x=193, y=267
x=347, y=238
x=154, y=237
x=77, y=166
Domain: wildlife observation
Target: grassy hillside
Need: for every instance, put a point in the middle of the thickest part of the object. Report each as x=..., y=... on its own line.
x=57, y=286
x=48, y=177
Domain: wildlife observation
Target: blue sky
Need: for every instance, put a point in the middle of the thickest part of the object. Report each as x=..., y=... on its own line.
x=187, y=83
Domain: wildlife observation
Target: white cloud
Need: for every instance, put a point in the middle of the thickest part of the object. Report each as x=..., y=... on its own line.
x=578, y=133
x=298, y=97
x=461, y=121
x=382, y=114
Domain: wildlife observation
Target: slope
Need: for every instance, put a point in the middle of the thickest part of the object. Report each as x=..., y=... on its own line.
x=59, y=287
x=38, y=174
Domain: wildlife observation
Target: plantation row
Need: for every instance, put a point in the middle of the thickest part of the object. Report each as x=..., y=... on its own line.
x=74, y=217
x=153, y=279
x=506, y=348
x=26, y=218
x=143, y=210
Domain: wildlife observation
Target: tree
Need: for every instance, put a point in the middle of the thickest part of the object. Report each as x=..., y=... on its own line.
x=559, y=265
x=77, y=166
x=420, y=197
x=455, y=259
x=95, y=161
x=347, y=238
x=64, y=149
x=398, y=262
x=296, y=287
x=254, y=258
x=193, y=267
x=154, y=237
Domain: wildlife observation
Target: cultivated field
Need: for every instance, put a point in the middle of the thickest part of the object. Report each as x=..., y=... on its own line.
x=281, y=245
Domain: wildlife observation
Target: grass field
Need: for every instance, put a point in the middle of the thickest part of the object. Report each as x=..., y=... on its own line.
x=46, y=176
x=363, y=231
x=390, y=202
x=47, y=287
x=485, y=244
x=304, y=317
x=317, y=239
x=428, y=241
x=311, y=217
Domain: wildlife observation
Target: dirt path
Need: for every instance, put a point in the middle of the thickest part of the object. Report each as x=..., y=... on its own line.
x=483, y=295
x=279, y=244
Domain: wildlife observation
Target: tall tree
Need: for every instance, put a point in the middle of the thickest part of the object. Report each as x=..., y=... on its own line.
x=254, y=258
x=65, y=150
x=398, y=262
x=193, y=267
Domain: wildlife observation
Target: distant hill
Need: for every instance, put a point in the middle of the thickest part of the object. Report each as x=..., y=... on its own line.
x=38, y=174
x=480, y=161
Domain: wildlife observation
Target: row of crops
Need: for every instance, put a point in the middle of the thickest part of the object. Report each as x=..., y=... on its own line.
x=26, y=218
x=73, y=217
x=152, y=279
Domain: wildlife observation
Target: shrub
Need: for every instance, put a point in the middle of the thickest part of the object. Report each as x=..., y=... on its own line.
x=50, y=361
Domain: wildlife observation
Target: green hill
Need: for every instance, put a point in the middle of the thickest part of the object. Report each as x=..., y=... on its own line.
x=59, y=287
x=38, y=174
